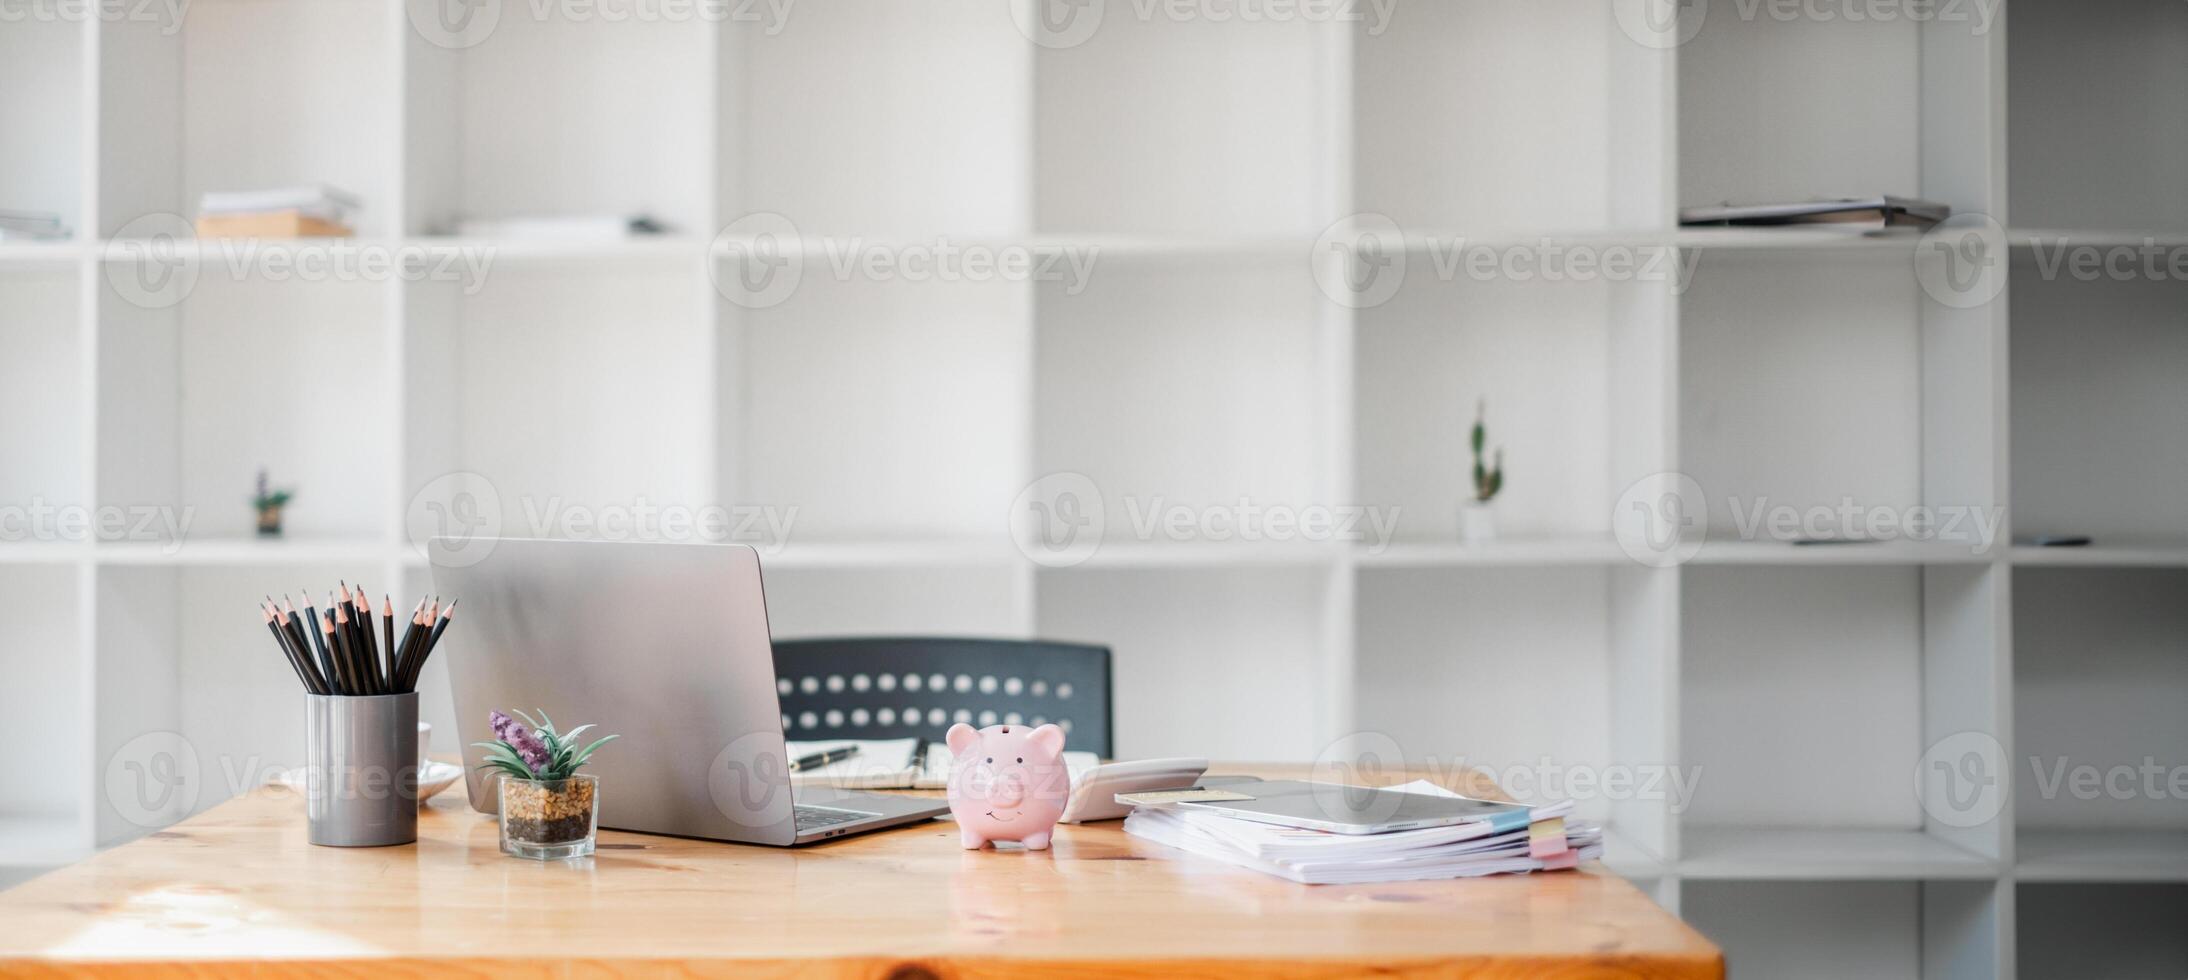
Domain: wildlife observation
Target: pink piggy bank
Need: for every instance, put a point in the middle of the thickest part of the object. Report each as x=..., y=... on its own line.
x=1008, y=783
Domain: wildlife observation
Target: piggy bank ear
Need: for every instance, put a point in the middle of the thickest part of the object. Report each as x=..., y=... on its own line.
x=961, y=736
x=1048, y=738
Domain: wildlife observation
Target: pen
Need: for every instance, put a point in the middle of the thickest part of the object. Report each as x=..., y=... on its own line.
x=819, y=759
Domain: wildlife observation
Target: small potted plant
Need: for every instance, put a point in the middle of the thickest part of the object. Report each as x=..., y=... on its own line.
x=548, y=809
x=1477, y=523
x=269, y=502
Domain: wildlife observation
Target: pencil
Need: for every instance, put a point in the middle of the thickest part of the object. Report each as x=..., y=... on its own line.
x=303, y=636
x=341, y=670
x=387, y=633
x=410, y=638
x=298, y=651
x=326, y=655
x=281, y=641
x=432, y=640
x=366, y=637
x=345, y=642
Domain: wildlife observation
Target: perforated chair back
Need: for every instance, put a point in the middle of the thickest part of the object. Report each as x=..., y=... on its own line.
x=917, y=687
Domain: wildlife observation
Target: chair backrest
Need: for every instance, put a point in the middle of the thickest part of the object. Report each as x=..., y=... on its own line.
x=906, y=687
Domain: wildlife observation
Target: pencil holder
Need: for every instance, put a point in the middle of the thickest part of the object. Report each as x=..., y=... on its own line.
x=361, y=777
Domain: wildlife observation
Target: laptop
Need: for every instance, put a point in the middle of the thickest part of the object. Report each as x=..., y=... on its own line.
x=664, y=644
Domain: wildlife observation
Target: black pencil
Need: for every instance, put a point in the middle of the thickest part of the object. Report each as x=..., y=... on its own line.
x=368, y=638
x=424, y=642
x=343, y=683
x=282, y=641
x=304, y=634
x=387, y=633
x=346, y=651
x=326, y=656
x=432, y=641
x=300, y=653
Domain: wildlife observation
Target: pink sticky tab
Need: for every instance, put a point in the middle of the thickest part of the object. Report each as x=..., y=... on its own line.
x=1560, y=862
x=1546, y=838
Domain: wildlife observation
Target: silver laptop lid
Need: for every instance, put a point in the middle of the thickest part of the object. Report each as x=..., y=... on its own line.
x=664, y=644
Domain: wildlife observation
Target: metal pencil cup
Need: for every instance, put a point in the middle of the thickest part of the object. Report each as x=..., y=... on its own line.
x=361, y=776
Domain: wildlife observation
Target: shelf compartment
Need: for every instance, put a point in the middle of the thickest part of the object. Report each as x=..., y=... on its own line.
x=1799, y=928
x=1424, y=95
x=565, y=404
x=1801, y=389
x=1776, y=664
x=1514, y=640
x=1804, y=854
x=1535, y=355
x=43, y=710
x=2097, y=121
x=1177, y=634
x=291, y=376
x=560, y=115
x=829, y=602
x=2107, y=855
x=1117, y=150
x=2095, y=404
x=1798, y=109
x=917, y=128
x=2082, y=930
x=2098, y=643
x=1190, y=385
x=261, y=94
x=881, y=409
x=41, y=401
x=41, y=97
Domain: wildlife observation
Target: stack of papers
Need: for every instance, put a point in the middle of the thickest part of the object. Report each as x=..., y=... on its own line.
x=308, y=211
x=31, y=226
x=897, y=763
x=1548, y=842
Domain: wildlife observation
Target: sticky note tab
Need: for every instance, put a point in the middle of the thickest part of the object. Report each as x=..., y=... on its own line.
x=1546, y=838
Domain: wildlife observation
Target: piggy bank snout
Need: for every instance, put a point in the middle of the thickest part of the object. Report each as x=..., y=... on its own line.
x=1009, y=789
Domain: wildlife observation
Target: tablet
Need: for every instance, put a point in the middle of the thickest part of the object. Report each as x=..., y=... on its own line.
x=1340, y=809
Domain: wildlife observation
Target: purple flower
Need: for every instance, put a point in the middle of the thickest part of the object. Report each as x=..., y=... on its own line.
x=516, y=736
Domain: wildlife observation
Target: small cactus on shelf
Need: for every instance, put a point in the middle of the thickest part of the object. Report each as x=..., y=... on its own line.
x=1488, y=477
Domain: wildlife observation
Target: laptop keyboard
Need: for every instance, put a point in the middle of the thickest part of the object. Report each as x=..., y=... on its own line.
x=817, y=817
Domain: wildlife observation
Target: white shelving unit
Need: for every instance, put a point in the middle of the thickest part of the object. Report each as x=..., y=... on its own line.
x=1200, y=365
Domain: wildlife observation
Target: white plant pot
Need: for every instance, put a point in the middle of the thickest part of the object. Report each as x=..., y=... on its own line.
x=1477, y=522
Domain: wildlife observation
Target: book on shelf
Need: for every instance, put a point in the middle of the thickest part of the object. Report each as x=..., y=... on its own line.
x=1865, y=213
x=560, y=228
x=269, y=224
x=314, y=198
x=1547, y=840
x=306, y=211
x=31, y=226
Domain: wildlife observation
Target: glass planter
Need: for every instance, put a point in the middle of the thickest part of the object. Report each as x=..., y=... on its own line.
x=549, y=819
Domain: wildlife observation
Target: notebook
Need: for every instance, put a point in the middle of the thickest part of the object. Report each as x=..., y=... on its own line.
x=897, y=763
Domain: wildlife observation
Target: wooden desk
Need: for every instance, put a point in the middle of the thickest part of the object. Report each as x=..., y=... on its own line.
x=238, y=886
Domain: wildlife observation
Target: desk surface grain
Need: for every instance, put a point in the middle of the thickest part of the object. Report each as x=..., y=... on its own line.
x=237, y=888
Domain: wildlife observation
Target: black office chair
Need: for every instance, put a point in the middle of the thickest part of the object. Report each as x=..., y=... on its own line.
x=917, y=687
